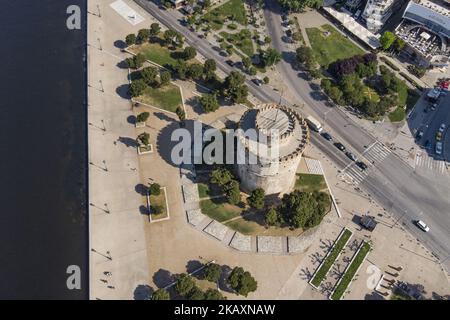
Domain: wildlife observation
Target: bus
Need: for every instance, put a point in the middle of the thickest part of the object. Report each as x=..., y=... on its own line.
x=314, y=124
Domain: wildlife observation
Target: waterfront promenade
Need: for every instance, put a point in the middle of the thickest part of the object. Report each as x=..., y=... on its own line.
x=118, y=254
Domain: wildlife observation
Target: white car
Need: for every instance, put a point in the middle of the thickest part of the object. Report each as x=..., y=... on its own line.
x=439, y=147
x=422, y=225
x=442, y=128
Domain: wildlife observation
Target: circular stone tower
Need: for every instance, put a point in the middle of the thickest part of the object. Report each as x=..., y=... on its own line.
x=272, y=157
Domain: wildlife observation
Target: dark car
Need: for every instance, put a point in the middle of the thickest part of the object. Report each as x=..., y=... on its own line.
x=327, y=136
x=362, y=165
x=351, y=156
x=427, y=144
x=340, y=146
x=368, y=222
x=258, y=82
x=230, y=63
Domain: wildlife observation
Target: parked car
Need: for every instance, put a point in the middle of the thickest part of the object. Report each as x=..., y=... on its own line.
x=442, y=128
x=439, y=148
x=230, y=63
x=422, y=225
x=438, y=136
x=427, y=144
x=340, y=146
x=362, y=165
x=368, y=222
x=257, y=81
x=351, y=156
x=327, y=136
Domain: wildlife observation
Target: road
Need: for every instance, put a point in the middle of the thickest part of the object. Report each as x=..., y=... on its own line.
x=392, y=182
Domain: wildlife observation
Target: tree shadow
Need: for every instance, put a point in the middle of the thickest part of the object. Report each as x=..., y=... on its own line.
x=305, y=274
x=194, y=103
x=131, y=119
x=163, y=278
x=164, y=117
x=223, y=281
x=143, y=292
x=141, y=189
x=120, y=44
x=123, y=91
x=373, y=296
x=128, y=142
x=193, y=265
x=144, y=210
x=122, y=64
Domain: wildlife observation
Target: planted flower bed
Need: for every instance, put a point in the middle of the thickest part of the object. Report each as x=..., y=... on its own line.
x=331, y=258
x=346, y=279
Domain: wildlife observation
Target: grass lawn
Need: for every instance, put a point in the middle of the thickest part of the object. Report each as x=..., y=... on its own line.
x=159, y=200
x=233, y=8
x=328, y=263
x=156, y=53
x=243, y=226
x=397, y=115
x=412, y=98
x=328, y=49
x=310, y=182
x=219, y=209
x=167, y=97
x=243, y=44
x=351, y=271
x=206, y=190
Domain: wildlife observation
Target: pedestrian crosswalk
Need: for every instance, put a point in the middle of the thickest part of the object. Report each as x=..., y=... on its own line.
x=424, y=161
x=356, y=174
x=376, y=152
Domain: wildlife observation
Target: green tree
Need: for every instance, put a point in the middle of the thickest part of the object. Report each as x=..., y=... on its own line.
x=271, y=217
x=387, y=39
x=130, y=39
x=213, y=272
x=220, y=176
x=195, y=71
x=209, y=69
x=149, y=75
x=196, y=294
x=398, y=44
x=267, y=39
x=242, y=281
x=143, y=139
x=266, y=79
x=300, y=5
x=209, y=102
x=305, y=56
x=181, y=114
x=189, y=53
x=143, y=35
x=155, y=28
x=142, y=117
x=256, y=198
x=232, y=192
x=181, y=69
x=156, y=209
x=139, y=60
x=246, y=62
x=165, y=78
x=185, y=283
x=270, y=57
x=234, y=87
x=169, y=37
x=154, y=189
x=214, y=294
x=137, y=87
x=161, y=294
x=303, y=209
x=252, y=71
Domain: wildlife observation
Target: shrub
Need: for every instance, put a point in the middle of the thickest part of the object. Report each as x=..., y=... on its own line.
x=155, y=189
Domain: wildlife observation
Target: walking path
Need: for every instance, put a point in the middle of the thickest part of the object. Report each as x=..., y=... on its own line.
x=117, y=239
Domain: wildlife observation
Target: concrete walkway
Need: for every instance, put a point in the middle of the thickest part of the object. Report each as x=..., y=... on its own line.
x=117, y=238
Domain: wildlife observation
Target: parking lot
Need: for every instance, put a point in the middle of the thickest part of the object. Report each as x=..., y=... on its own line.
x=429, y=123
